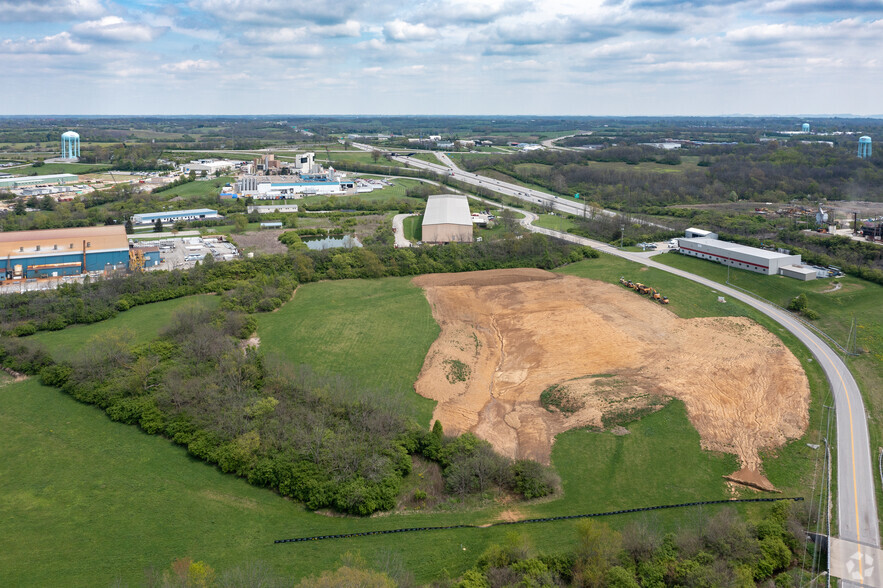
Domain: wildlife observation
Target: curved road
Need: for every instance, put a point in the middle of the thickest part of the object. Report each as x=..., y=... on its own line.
x=856, y=500
x=399, y=230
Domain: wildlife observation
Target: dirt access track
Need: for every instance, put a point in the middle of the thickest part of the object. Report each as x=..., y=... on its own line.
x=605, y=353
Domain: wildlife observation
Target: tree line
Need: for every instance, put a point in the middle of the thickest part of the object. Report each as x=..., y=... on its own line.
x=316, y=439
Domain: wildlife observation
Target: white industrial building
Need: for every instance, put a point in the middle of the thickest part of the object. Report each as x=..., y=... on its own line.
x=741, y=256
x=692, y=233
x=272, y=208
x=173, y=216
x=210, y=166
x=276, y=187
x=447, y=219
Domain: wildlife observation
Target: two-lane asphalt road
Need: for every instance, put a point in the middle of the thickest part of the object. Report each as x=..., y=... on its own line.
x=856, y=498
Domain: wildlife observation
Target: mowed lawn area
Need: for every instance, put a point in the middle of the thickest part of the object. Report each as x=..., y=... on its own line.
x=139, y=325
x=85, y=501
x=374, y=333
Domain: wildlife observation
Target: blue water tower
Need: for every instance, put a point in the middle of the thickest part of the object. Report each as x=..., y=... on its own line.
x=864, y=146
x=805, y=127
x=70, y=145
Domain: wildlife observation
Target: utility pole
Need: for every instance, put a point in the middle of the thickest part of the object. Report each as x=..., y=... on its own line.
x=621, y=235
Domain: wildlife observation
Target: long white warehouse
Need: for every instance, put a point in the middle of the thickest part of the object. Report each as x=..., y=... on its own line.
x=741, y=256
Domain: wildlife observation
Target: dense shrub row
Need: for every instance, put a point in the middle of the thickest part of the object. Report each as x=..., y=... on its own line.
x=313, y=439
x=723, y=550
x=262, y=283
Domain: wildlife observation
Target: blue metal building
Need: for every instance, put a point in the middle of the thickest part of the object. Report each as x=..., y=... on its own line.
x=171, y=216
x=63, y=252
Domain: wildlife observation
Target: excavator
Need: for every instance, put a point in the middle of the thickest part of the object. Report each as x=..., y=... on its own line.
x=136, y=260
x=646, y=290
x=658, y=297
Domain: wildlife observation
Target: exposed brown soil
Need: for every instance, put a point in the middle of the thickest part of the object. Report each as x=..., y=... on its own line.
x=264, y=241
x=832, y=288
x=508, y=335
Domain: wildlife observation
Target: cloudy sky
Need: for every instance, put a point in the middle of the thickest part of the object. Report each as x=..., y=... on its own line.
x=544, y=57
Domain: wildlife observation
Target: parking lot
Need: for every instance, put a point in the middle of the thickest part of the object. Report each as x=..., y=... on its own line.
x=183, y=253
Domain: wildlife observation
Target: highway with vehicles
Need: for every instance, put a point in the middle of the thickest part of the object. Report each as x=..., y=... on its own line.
x=538, y=197
x=856, y=497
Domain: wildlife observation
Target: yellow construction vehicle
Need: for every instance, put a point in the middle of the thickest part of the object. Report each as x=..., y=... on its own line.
x=642, y=289
x=136, y=260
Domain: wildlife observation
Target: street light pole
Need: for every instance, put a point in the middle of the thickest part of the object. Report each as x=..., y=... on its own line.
x=621, y=235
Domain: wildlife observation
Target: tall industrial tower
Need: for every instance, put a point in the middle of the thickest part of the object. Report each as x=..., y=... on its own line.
x=70, y=145
x=864, y=146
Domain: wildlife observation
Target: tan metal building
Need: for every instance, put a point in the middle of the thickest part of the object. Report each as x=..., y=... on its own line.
x=447, y=219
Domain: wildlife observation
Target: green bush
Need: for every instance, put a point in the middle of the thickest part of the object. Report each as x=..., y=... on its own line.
x=532, y=479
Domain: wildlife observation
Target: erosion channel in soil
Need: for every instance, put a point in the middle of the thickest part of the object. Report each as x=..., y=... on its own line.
x=601, y=353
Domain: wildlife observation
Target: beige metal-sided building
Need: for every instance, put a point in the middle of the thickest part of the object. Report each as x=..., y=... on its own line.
x=447, y=219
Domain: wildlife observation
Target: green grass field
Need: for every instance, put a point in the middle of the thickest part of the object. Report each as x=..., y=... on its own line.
x=356, y=157
x=144, y=502
x=209, y=188
x=412, y=227
x=790, y=467
x=140, y=324
x=59, y=168
x=375, y=333
x=90, y=501
x=856, y=299
x=555, y=222
x=428, y=157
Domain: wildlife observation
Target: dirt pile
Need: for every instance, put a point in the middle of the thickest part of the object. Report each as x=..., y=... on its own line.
x=597, y=353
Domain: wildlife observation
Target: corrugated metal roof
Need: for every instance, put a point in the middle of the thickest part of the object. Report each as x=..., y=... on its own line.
x=206, y=211
x=447, y=209
x=99, y=238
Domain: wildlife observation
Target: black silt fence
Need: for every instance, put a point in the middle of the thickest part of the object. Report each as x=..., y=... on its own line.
x=526, y=521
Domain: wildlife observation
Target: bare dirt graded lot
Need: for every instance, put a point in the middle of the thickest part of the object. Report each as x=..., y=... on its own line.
x=602, y=355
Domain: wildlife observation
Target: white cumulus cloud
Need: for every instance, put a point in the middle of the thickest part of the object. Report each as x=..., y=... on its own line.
x=399, y=30
x=48, y=10
x=191, y=66
x=59, y=44
x=114, y=29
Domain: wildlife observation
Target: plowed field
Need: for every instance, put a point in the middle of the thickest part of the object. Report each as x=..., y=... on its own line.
x=601, y=353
